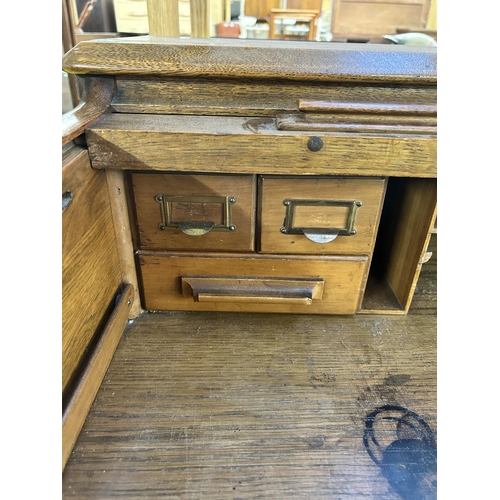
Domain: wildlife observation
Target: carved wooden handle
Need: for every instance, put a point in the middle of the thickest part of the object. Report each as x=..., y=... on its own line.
x=252, y=289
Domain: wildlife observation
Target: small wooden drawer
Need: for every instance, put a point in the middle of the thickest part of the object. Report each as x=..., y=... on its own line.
x=195, y=212
x=253, y=283
x=320, y=215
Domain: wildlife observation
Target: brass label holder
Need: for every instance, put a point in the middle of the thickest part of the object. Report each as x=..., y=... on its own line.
x=315, y=234
x=194, y=228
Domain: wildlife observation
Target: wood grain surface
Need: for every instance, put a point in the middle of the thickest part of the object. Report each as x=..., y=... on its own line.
x=90, y=267
x=117, y=189
x=274, y=190
x=200, y=18
x=306, y=123
x=149, y=216
x=407, y=222
x=218, y=57
x=247, y=406
x=250, y=145
x=85, y=391
x=162, y=272
x=250, y=96
x=363, y=107
x=96, y=97
x=163, y=17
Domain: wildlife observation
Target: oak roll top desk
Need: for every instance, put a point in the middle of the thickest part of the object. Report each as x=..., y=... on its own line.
x=260, y=176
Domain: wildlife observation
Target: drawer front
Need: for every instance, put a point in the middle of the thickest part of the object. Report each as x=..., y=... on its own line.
x=195, y=212
x=253, y=283
x=320, y=215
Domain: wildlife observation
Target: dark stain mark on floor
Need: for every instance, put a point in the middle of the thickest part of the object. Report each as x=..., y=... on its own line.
x=397, y=379
x=403, y=445
x=323, y=380
x=315, y=443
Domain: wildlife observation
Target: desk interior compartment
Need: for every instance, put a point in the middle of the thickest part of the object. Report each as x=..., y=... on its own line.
x=405, y=230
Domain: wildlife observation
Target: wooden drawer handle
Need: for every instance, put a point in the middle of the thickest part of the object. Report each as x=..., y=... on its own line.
x=252, y=289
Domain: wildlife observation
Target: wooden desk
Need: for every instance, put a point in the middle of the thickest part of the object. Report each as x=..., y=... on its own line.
x=256, y=176
x=316, y=122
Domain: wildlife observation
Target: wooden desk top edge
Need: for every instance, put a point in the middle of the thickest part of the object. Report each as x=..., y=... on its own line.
x=263, y=59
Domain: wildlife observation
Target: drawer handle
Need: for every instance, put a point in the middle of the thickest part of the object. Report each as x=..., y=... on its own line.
x=319, y=234
x=194, y=228
x=252, y=289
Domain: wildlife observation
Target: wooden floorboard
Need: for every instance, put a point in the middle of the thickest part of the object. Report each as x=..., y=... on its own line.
x=250, y=406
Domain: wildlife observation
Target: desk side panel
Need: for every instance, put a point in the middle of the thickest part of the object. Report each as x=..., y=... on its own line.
x=91, y=274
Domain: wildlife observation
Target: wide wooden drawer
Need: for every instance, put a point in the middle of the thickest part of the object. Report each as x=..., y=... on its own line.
x=253, y=283
x=320, y=215
x=195, y=212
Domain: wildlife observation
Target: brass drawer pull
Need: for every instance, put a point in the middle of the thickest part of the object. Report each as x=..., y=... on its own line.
x=194, y=228
x=252, y=289
x=320, y=234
